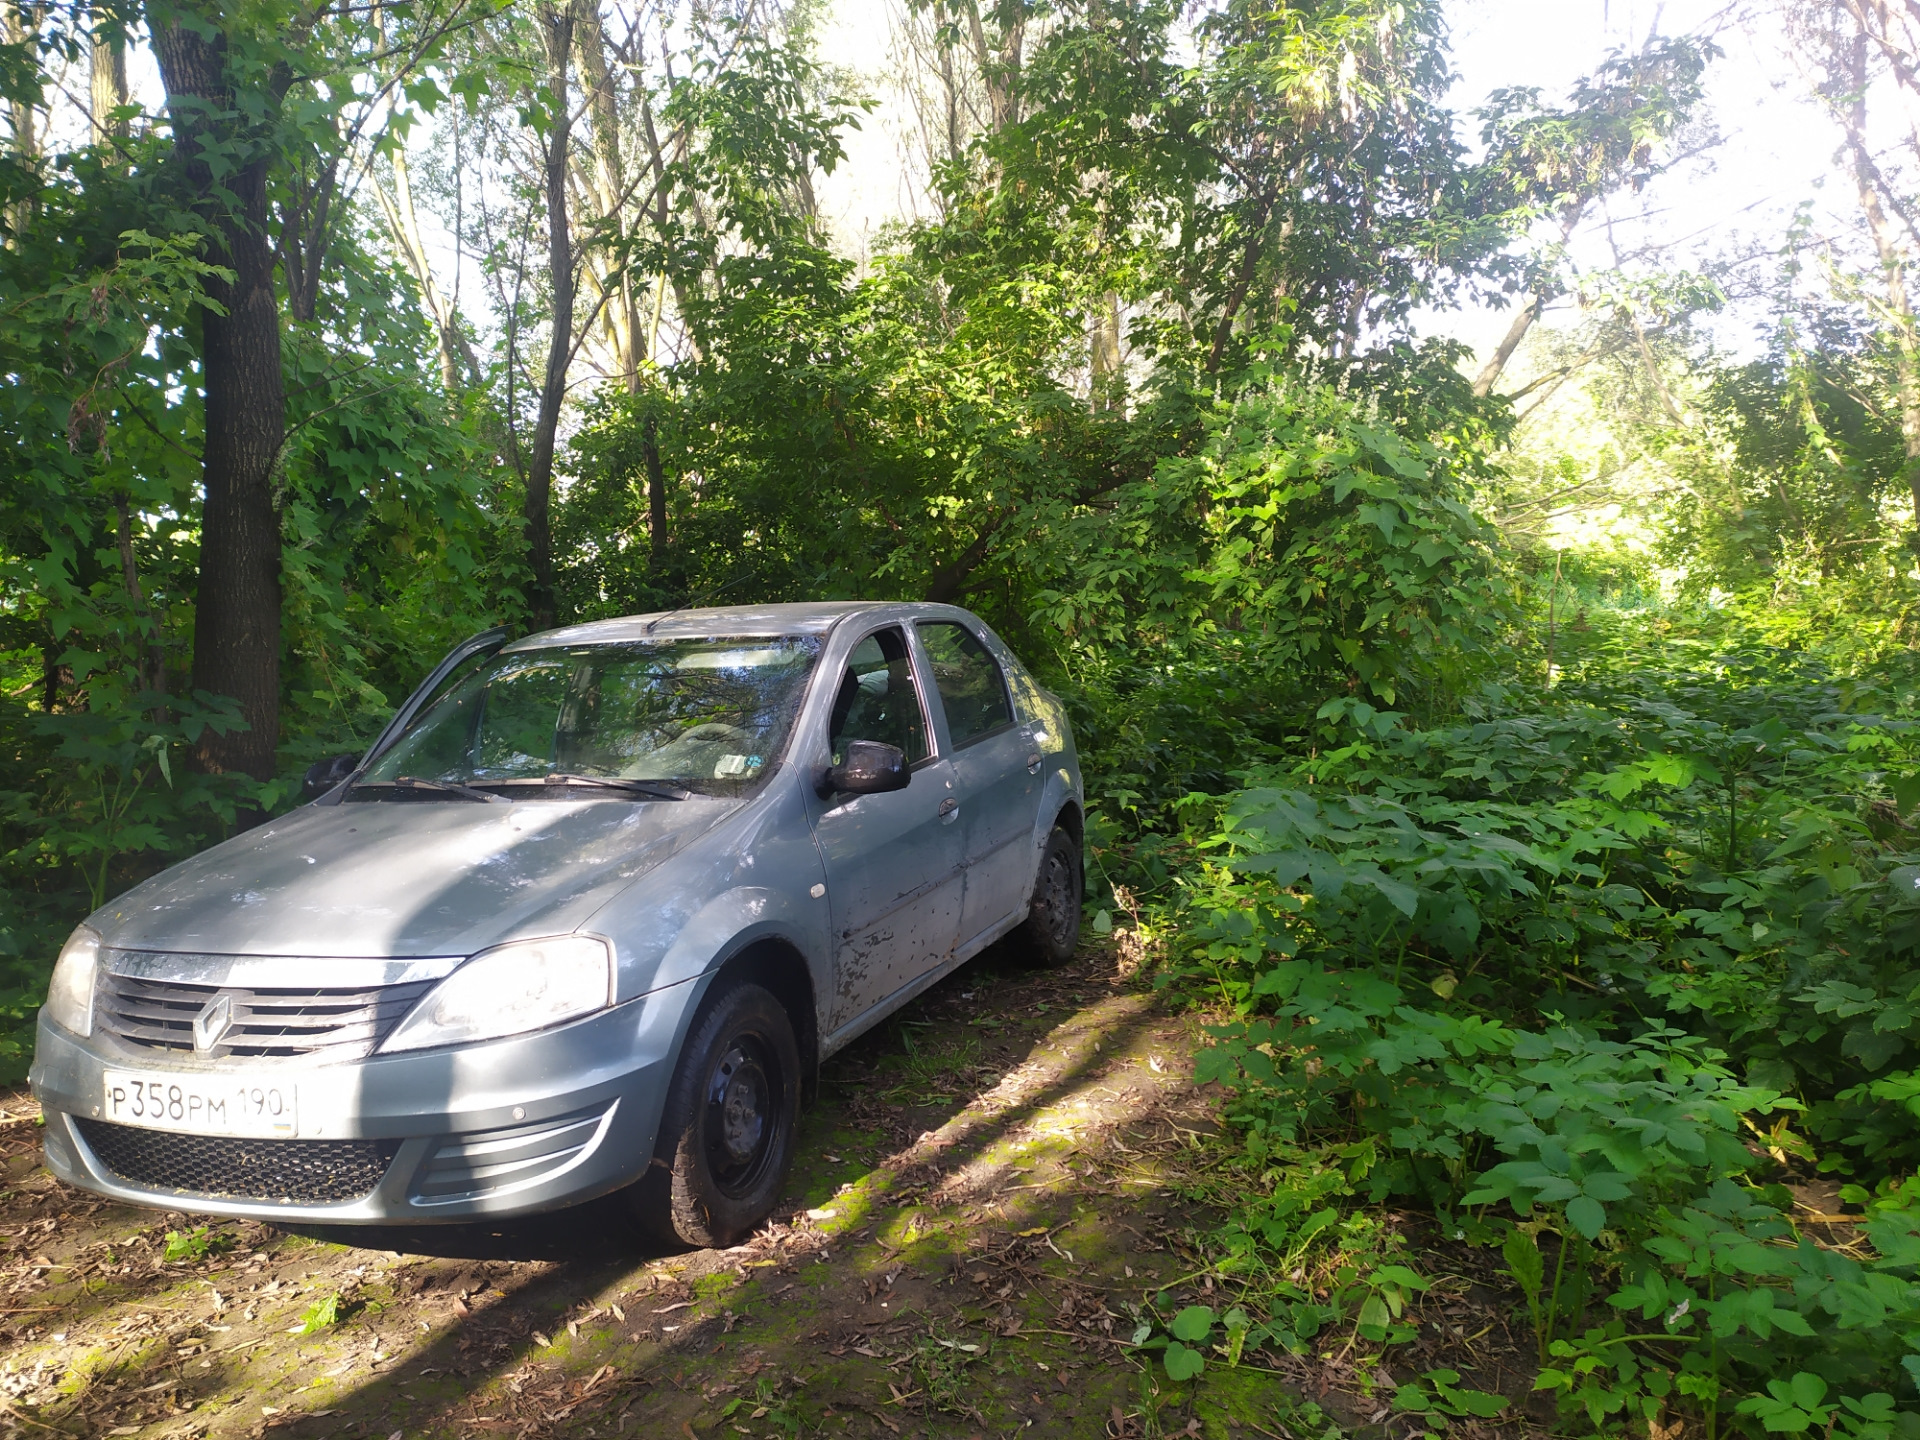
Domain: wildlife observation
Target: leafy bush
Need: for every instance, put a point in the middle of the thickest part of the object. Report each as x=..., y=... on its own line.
x=1591, y=977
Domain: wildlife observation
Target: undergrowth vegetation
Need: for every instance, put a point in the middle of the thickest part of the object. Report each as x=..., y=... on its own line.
x=1560, y=894
x=1618, y=978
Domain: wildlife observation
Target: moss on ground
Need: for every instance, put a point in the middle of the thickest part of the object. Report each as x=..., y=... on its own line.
x=965, y=1252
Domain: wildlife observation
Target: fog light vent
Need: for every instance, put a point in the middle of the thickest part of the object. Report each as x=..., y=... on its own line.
x=483, y=1162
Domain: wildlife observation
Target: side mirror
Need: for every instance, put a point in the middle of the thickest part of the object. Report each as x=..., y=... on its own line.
x=326, y=774
x=870, y=768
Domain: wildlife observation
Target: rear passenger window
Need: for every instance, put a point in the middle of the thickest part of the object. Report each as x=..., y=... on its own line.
x=876, y=699
x=968, y=678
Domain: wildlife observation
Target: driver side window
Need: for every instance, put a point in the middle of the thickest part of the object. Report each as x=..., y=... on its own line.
x=876, y=699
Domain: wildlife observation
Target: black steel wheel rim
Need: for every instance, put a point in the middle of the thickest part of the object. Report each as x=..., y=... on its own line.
x=745, y=1115
x=1056, y=896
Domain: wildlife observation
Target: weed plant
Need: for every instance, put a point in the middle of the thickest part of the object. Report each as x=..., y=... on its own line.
x=1616, y=978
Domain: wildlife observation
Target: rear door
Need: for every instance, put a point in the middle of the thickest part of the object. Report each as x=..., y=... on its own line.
x=893, y=861
x=995, y=774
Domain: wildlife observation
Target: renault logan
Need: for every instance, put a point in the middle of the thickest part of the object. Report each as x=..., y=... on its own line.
x=585, y=918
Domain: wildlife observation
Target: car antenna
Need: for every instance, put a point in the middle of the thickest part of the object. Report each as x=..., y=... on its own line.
x=667, y=615
x=663, y=615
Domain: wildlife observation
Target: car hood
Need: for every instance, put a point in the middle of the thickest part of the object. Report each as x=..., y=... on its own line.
x=404, y=878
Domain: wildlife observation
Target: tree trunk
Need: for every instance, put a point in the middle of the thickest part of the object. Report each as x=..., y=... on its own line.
x=1853, y=119
x=1527, y=314
x=948, y=582
x=1523, y=319
x=236, y=626
x=151, y=665
x=1249, y=266
x=656, y=490
x=999, y=66
x=107, y=88
x=556, y=31
x=1106, y=385
x=17, y=27
x=621, y=313
x=403, y=227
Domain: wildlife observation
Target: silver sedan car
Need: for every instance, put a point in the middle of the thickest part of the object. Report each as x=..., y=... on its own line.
x=586, y=918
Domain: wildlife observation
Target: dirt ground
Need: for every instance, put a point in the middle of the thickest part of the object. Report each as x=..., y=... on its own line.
x=987, y=1191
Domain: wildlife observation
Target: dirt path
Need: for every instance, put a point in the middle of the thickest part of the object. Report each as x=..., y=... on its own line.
x=982, y=1202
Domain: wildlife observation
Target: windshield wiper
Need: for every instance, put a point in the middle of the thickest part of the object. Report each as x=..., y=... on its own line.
x=653, y=790
x=465, y=792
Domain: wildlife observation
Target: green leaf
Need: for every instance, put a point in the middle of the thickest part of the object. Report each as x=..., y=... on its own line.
x=1182, y=1363
x=1477, y=1402
x=1806, y=1390
x=1238, y=1323
x=323, y=1314
x=1413, y=1398
x=1192, y=1324
x=1587, y=1215
x=1906, y=791
x=1521, y=1250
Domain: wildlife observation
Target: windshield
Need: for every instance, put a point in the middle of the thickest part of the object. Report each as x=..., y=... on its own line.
x=707, y=715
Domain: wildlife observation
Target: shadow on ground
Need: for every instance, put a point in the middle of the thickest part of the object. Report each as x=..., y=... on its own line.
x=980, y=1205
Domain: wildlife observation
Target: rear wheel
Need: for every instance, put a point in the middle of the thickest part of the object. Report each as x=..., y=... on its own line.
x=1051, y=932
x=726, y=1137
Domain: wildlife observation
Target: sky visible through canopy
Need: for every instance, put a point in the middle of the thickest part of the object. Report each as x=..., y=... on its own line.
x=1776, y=146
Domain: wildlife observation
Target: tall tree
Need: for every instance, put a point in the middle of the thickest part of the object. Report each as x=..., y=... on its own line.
x=1858, y=32
x=556, y=26
x=224, y=151
x=1846, y=48
x=107, y=77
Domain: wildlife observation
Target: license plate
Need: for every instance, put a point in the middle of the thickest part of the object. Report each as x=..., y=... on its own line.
x=200, y=1104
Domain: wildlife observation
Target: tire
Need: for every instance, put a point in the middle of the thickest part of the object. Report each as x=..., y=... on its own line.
x=1051, y=932
x=726, y=1135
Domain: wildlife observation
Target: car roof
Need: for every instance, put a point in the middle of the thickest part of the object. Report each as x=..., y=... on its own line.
x=813, y=618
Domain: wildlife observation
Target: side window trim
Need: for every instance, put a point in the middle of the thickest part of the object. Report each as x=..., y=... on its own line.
x=1006, y=692
x=910, y=642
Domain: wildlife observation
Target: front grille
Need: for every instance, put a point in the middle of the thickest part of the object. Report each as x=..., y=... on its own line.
x=308, y=1172
x=283, y=1021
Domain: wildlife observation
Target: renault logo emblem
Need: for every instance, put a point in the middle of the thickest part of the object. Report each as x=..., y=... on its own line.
x=212, y=1023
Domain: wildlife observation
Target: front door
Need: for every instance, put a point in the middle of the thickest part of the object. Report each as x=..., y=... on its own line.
x=893, y=861
x=995, y=774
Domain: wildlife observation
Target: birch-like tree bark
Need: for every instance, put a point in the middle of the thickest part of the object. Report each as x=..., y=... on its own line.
x=458, y=363
x=1851, y=111
x=107, y=87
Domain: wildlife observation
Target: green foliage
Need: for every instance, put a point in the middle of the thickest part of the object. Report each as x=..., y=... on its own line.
x=389, y=550
x=1797, y=1405
x=1584, y=934
x=1442, y=1398
x=188, y=1246
x=1188, y=1335
x=772, y=1403
x=940, y=1367
x=325, y=1313
x=1599, y=964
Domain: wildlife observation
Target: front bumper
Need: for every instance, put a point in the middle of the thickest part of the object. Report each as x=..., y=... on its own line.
x=500, y=1128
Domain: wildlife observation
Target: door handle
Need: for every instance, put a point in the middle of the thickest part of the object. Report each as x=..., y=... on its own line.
x=949, y=805
x=1033, y=764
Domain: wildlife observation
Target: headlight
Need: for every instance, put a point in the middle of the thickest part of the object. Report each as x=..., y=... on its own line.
x=70, y=992
x=509, y=991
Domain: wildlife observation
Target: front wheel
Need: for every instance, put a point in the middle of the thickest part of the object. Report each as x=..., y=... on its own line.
x=726, y=1137
x=1051, y=932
